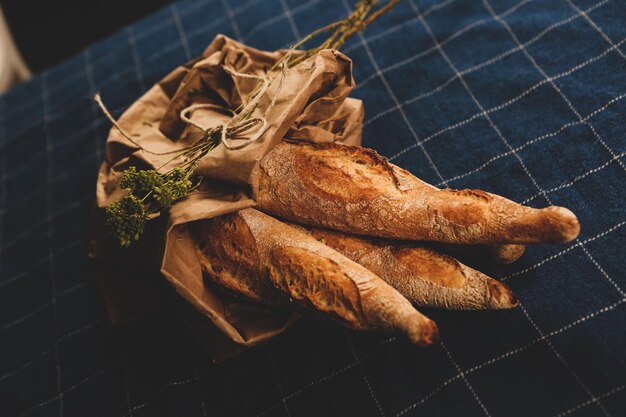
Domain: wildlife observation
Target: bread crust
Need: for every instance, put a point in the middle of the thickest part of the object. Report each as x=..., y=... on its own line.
x=355, y=190
x=229, y=257
x=309, y=273
x=423, y=276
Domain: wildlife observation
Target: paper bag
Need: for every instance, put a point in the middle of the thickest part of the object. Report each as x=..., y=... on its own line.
x=309, y=104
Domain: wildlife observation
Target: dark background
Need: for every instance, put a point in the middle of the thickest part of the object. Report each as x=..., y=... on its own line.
x=47, y=32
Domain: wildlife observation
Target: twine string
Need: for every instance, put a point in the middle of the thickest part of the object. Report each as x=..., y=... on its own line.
x=238, y=123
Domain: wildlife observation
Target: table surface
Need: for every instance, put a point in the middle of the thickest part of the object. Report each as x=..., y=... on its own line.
x=518, y=97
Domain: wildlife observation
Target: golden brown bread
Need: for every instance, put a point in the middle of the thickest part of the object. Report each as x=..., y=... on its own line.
x=268, y=252
x=355, y=190
x=422, y=275
x=229, y=257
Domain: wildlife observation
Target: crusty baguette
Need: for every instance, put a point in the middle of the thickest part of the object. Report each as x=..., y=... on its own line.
x=229, y=256
x=308, y=272
x=355, y=190
x=422, y=275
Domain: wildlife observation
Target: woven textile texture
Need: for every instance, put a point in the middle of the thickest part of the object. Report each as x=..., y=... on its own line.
x=522, y=98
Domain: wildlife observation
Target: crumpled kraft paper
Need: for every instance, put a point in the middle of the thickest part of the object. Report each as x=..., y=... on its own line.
x=311, y=104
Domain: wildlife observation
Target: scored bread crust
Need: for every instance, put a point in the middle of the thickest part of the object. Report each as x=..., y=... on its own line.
x=306, y=271
x=229, y=256
x=422, y=275
x=355, y=190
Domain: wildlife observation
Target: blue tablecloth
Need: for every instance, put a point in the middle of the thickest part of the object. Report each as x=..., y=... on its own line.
x=518, y=97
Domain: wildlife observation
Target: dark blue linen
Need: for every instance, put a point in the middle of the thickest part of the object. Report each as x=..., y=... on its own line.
x=522, y=98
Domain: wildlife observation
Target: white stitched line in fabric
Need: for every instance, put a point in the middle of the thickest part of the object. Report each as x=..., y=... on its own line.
x=468, y=371
x=25, y=364
x=61, y=84
x=64, y=174
x=471, y=94
x=202, y=30
x=116, y=76
x=162, y=23
x=125, y=378
x=291, y=21
x=231, y=17
x=41, y=307
x=278, y=18
x=49, y=351
x=77, y=167
x=329, y=376
x=537, y=139
x=72, y=388
x=397, y=27
x=577, y=178
x=381, y=412
x=423, y=22
x=429, y=395
x=35, y=264
x=433, y=48
x=395, y=100
x=202, y=403
x=94, y=114
x=580, y=119
x=55, y=117
x=484, y=64
x=511, y=101
x=552, y=83
x=280, y=388
x=602, y=271
x=510, y=353
x=181, y=30
x=564, y=251
x=171, y=384
x=206, y=28
x=464, y=378
x=565, y=363
x=136, y=63
x=82, y=329
x=50, y=233
x=26, y=232
x=588, y=402
x=499, y=133
x=595, y=26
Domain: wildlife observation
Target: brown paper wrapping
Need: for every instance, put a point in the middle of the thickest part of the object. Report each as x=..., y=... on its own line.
x=311, y=105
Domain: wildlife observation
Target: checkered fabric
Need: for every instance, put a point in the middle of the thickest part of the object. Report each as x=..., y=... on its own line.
x=522, y=98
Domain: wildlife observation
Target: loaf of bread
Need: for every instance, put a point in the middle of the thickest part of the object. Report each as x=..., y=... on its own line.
x=423, y=276
x=250, y=252
x=355, y=190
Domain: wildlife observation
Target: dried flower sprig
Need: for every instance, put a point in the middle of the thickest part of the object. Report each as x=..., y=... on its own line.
x=149, y=191
x=365, y=12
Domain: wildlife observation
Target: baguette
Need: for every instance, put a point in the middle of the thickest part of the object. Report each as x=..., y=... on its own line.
x=355, y=190
x=306, y=271
x=422, y=275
